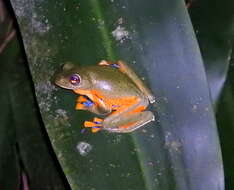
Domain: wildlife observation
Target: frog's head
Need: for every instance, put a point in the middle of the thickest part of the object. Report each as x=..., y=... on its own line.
x=72, y=77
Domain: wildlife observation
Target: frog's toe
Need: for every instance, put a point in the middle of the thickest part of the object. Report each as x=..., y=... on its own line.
x=82, y=99
x=96, y=124
x=97, y=120
x=95, y=129
x=80, y=106
x=90, y=124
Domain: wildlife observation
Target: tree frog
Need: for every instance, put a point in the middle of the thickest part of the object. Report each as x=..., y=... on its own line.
x=111, y=89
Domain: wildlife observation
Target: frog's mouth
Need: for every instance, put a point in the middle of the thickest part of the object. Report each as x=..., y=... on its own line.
x=61, y=82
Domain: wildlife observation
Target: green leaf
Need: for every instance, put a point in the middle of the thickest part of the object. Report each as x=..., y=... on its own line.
x=178, y=151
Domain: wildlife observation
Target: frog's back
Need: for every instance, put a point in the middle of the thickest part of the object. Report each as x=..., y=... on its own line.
x=112, y=82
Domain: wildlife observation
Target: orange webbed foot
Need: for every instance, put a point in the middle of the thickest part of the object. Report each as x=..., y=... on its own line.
x=83, y=102
x=96, y=124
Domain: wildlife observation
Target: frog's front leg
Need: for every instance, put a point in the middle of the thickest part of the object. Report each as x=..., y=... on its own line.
x=123, y=67
x=84, y=103
x=129, y=118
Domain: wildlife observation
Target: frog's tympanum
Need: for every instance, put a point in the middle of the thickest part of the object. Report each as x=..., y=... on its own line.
x=111, y=89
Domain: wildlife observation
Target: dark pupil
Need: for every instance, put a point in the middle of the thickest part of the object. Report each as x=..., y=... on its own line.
x=75, y=79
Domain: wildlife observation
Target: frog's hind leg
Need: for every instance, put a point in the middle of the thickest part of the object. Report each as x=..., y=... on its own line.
x=131, y=122
x=124, y=68
x=128, y=118
x=108, y=63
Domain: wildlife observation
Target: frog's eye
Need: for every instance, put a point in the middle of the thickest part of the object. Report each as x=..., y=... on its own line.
x=75, y=79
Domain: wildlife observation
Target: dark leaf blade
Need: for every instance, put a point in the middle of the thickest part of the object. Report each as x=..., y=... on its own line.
x=176, y=72
x=215, y=36
x=24, y=151
x=170, y=153
x=9, y=161
x=226, y=123
x=9, y=54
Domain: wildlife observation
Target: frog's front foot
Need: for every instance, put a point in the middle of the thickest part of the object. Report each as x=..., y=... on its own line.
x=96, y=124
x=83, y=103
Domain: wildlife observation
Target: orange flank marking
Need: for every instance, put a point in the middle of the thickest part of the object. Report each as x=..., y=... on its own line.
x=84, y=92
x=126, y=101
x=123, y=104
x=98, y=98
x=127, y=125
x=138, y=109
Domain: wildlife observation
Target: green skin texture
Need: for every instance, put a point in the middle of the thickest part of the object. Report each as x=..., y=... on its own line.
x=113, y=84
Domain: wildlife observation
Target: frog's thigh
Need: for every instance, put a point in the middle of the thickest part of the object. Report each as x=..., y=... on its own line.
x=124, y=110
x=126, y=115
x=124, y=68
x=130, y=122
